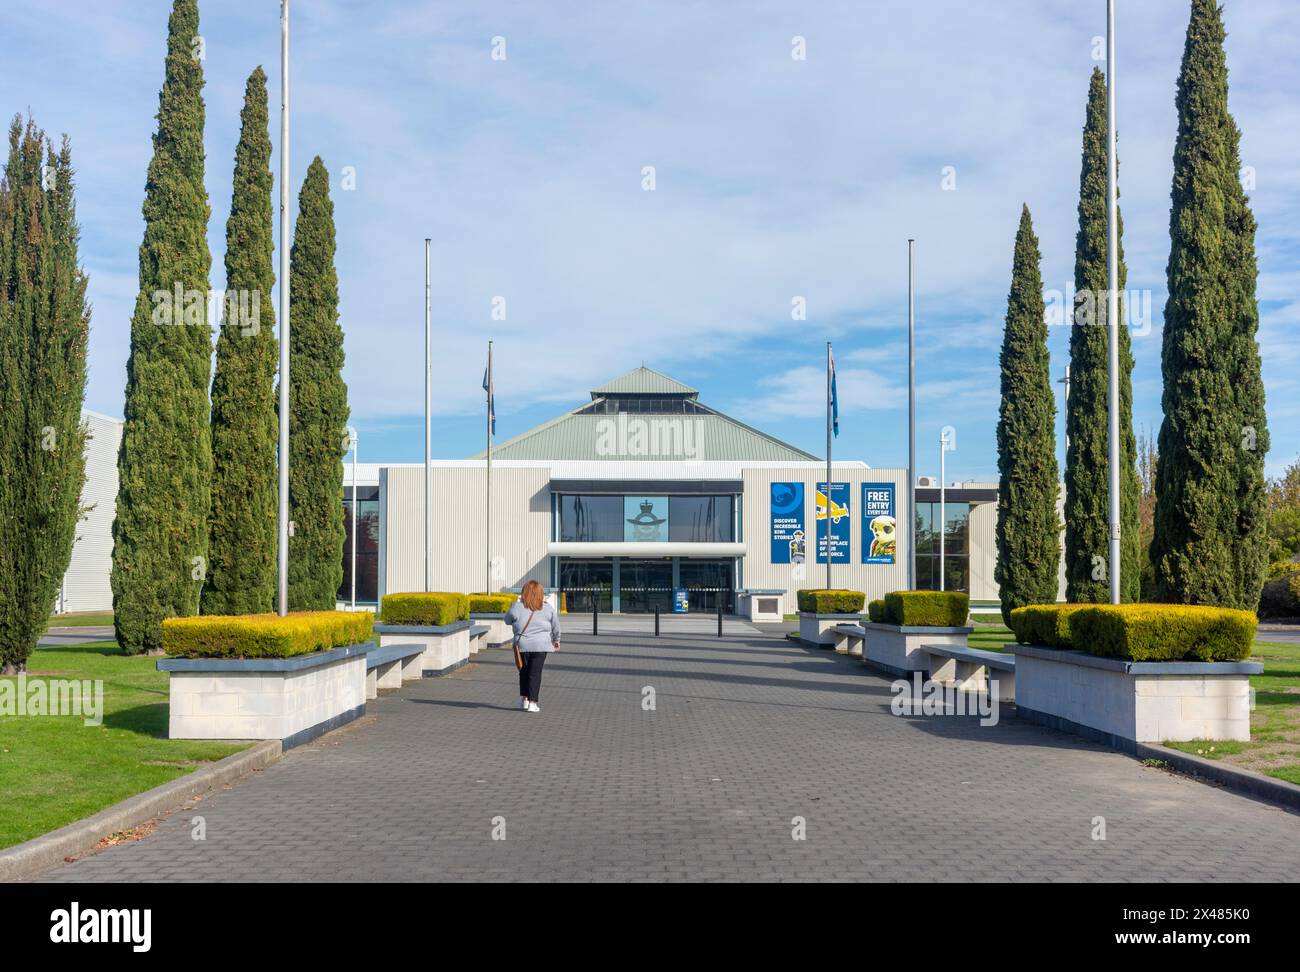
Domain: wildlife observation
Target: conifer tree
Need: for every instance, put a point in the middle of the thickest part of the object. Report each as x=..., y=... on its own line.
x=1087, y=454
x=242, y=525
x=160, y=535
x=318, y=403
x=1210, y=544
x=44, y=324
x=1028, y=530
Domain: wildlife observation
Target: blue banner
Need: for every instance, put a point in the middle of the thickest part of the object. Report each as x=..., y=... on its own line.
x=879, y=524
x=788, y=538
x=836, y=513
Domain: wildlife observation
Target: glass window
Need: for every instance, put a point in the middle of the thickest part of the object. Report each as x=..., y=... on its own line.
x=367, y=545
x=956, y=575
x=591, y=518
x=700, y=519
x=587, y=584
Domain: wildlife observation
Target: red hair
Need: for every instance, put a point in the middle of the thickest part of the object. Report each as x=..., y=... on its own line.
x=532, y=596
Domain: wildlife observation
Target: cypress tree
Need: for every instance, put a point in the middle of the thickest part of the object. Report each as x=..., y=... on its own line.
x=1087, y=454
x=1209, y=544
x=165, y=463
x=242, y=524
x=1028, y=531
x=44, y=324
x=318, y=403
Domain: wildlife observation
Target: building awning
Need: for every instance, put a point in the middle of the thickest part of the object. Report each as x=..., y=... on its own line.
x=634, y=550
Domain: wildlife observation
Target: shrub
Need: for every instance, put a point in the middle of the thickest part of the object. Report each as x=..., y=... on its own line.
x=1164, y=632
x=823, y=601
x=1045, y=624
x=491, y=603
x=264, y=635
x=425, y=608
x=876, y=611
x=1281, y=596
x=928, y=609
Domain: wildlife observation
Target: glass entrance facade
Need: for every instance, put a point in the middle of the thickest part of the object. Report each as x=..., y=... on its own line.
x=638, y=586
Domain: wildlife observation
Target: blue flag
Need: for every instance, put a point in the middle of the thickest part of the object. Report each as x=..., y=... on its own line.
x=488, y=384
x=835, y=401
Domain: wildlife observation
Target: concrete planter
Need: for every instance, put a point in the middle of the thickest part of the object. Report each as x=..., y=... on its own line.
x=1122, y=703
x=290, y=699
x=446, y=646
x=900, y=649
x=761, y=605
x=818, y=629
x=499, y=633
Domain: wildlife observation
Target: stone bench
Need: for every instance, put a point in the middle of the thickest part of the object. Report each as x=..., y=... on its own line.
x=478, y=637
x=498, y=632
x=900, y=650
x=444, y=647
x=849, y=639
x=973, y=670
x=388, y=667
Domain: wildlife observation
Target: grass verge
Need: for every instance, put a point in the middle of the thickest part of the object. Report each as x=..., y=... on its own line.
x=81, y=619
x=55, y=769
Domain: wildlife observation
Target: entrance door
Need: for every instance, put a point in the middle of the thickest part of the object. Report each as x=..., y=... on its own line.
x=707, y=583
x=645, y=585
x=587, y=585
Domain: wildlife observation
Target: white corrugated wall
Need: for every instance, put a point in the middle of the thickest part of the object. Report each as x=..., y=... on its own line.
x=86, y=583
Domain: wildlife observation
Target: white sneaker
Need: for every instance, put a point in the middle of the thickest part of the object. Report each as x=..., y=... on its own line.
x=523, y=705
x=534, y=707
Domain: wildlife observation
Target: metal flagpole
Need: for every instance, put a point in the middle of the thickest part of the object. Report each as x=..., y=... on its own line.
x=283, y=520
x=943, y=513
x=828, y=465
x=428, y=422
x=911, y=415
x=1112, y=302
x=491, y=407
x=356, y=446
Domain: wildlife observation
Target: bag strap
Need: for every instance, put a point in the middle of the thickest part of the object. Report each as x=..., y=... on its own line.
x=528, y=622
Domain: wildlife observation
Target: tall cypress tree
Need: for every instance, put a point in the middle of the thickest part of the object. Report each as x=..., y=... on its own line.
x=165, y=463
x=1028, y=531
x=242, y=525
x=1210, y=545
x=1087, y=454
x=44, y=324
x=318, y=403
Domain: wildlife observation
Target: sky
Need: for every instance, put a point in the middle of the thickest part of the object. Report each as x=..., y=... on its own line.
x=776, y=178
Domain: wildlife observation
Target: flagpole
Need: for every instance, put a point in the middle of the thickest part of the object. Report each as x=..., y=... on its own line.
x=282, y=566
x=943, y=513
x=356, y=449
x=828, y=465
x=428, y=422
x=1112, y=303
x=911, y=416
x=490, y=409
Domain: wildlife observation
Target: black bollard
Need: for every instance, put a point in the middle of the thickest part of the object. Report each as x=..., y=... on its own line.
x=595, y=624
x=719, y=614
x=656, y=620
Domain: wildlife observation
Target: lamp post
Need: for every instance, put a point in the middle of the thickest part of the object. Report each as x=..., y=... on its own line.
x=1112, y=302
x=283, y=516
x=911, y=415
x=428, y=421
x=355, y=443
x=947, y=443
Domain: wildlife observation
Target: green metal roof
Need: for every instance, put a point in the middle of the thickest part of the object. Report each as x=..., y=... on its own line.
x=643, y=381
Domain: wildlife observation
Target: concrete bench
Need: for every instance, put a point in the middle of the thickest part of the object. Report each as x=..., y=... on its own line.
x=478, y=637
x=973, y=670
x=390, y=666
x=849, y=638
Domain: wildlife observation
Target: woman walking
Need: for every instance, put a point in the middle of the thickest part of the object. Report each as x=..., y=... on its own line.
x=537, y=633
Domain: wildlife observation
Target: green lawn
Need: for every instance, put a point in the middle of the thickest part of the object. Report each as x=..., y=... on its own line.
x=54, y=771
x=991, y=638
x=81, y=619
x=1274, y=747
x=994, y=618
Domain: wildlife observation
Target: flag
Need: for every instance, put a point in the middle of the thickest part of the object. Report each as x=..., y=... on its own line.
x=835, y=400
x=488, y=384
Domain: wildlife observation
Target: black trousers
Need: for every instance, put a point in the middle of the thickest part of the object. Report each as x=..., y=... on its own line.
x=530, y=676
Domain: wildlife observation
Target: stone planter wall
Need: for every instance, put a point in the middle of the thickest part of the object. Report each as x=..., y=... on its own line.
x=816, y=629
x=761, y=605
x=290, y=699
x=900, y=650
x=446, y=646
x=499, y=632
x=1122, y=703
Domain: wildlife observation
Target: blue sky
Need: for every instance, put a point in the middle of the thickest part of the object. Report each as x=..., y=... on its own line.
x=775, y=178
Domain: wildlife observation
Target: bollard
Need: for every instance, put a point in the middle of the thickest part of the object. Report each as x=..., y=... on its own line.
x=719, y=614
x=595, y=623
x=656, y=620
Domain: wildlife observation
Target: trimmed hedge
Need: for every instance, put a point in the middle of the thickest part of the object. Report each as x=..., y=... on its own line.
x=1047, y=625
x=876, y=611
x=1281, y=596
x=425, y=608
x=1164, y=632
x=264, y=635
x=928, y=609
x=491, y=603
x=823, y=601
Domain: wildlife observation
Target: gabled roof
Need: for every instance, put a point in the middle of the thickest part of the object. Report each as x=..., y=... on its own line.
x=643, y=381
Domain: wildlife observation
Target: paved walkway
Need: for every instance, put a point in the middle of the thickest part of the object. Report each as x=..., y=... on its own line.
x=747, y=733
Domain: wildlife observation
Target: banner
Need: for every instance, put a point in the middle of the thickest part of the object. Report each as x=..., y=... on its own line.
x=879, y=524
x=838, y=518
x=788, y=537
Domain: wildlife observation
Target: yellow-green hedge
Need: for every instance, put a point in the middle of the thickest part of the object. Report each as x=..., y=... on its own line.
x=876, y=610
x=1164, y=632
x=425, y=608
x=1047, y=625
x=491, y=603
x=928, y=609
x=264, y=635
x=823, y=601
